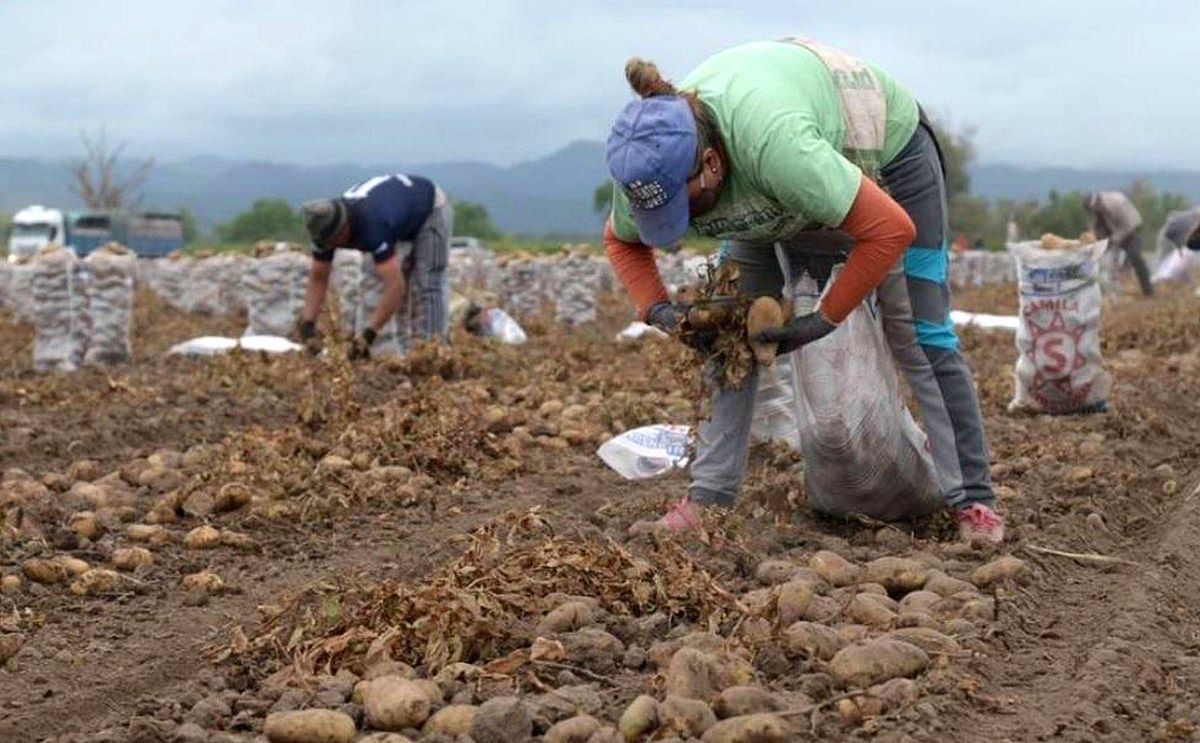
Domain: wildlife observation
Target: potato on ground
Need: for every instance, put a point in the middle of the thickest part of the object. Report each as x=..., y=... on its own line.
x=310, y=726
x=202, y=538
x=640, y=718
x=393, y=703
x=688, y=717
x=834, y=569
x=813, y=640
x=760, y=728
x=577, y=729
x=451, y=721
x=869, y=663
x=131, y=558
x=738, y=701
x=46, y=572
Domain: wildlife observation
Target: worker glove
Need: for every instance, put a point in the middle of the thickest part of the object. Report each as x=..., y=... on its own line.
x=360, y=347
x=665, y=316
x=799, y=332
x=307, y=330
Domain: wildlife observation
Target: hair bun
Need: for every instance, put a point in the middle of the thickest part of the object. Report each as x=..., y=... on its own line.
x=645, y=79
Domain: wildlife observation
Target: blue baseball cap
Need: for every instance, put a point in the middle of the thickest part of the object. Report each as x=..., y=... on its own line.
x=651, y=152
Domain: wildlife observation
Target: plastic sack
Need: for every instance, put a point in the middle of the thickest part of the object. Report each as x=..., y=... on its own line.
x=638, y=329
x=110, y=305
x=1175, y=268
x=1059, y=367
x=863, y=452
x=984, y=320
x=648, y=451
x=211, y=345
x=496, y=323
x=60, y=310
x=775, y=405
x=274, y=289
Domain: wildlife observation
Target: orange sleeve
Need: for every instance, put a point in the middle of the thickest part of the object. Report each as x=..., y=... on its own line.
x=634, y=265
x=882, y=231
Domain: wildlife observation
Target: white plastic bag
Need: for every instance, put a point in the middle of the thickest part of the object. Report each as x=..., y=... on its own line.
x=1059, y=369
x=1176, y=267
x=648, y=451
x=638, y=329
x=211, y=345
x=496, y=323
x=775, y=405
x=863, y=452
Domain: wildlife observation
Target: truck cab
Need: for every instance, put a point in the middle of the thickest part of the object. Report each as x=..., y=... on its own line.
x=32, y=229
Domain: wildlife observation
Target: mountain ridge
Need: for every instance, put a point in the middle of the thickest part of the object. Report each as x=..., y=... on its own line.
x=550, y=194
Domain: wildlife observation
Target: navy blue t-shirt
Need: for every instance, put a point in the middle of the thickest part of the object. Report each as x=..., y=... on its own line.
x=383, y=211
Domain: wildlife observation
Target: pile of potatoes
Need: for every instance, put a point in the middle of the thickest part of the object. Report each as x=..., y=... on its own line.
x=122, y=517
x=854, y=640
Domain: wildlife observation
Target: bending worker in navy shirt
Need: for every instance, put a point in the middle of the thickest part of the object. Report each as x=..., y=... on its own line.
x=404, y=222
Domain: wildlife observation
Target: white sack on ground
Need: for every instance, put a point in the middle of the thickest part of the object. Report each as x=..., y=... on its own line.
x=647, y=451
x=1059, y=367
x=110, y=305
x=210, y=345
x=983, y=320
x=60, y=310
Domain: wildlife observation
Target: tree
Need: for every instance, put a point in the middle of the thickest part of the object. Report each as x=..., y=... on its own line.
x=188, y=221
x=473, y=220
x=267, y=219
x=958, y=152
x=1062, y=214
x=602, y=198
x=98, y=177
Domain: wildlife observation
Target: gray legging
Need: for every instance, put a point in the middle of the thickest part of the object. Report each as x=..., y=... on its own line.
x=425, y=312
x=914, y=301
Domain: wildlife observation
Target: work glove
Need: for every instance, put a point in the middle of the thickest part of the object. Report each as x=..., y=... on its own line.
x=307, y=330
x=799, y=332
x=360, y=346
x=665, y=316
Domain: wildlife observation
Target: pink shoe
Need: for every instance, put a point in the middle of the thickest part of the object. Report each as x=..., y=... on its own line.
x=979, y=523
x=682, y=516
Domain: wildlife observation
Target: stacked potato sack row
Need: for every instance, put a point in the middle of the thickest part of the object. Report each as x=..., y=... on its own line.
x=977, y=267
x=577, y=280
x=348, y=269
x=274, y=288
x=214, y=284
x=167, y=278
x=680, y=269
x=60, y=310
x=524, y=286
x=110, y=305
x=473, y=270
x=16, y=289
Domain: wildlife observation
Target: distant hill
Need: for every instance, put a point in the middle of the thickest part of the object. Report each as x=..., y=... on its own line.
x=549, y=194
x=552, y=194
x=1017, y=182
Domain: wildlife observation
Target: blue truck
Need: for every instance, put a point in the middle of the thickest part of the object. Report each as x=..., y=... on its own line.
x=148, y=234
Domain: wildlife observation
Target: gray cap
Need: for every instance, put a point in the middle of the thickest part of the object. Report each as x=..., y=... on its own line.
x=323, y=218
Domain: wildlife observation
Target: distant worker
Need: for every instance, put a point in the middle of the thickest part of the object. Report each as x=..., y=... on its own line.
x=1193, y=242
x=404, y=222
x=1177, y=230
x=1112, y=215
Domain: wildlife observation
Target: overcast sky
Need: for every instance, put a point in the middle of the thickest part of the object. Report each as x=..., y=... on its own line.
x=1095, y=83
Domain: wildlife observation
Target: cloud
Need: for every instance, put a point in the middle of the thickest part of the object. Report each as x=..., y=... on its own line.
x=1080, y=83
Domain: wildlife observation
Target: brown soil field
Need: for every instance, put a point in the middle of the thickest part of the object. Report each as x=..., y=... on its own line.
x=263, y=533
